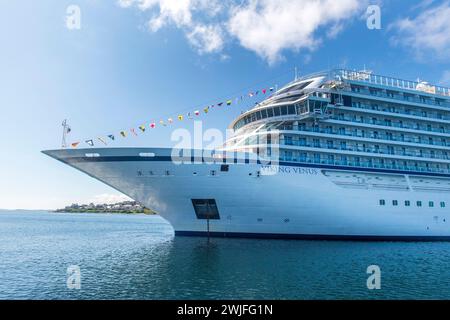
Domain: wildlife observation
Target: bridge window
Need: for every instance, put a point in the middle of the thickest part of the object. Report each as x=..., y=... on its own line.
x=291, y=109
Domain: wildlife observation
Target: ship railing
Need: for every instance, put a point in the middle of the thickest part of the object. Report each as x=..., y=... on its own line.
x=369, y=77
x=421, y=86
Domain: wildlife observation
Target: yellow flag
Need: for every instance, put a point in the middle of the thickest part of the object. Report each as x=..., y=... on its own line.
x=180, y=117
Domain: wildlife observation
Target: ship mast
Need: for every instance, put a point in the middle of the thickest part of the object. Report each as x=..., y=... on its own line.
x=66, y=130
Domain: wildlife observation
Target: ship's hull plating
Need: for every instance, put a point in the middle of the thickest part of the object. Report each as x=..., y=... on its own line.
x=255, y=200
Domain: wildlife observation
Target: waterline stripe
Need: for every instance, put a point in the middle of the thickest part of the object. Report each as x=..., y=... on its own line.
x=286, y=236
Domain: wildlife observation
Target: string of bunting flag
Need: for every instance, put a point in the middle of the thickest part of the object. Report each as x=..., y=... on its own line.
x=104, y=140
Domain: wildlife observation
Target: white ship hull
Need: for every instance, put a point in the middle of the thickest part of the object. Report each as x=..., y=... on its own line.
x=295, y=202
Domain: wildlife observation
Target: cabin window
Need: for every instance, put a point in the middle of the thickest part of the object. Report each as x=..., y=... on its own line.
x=316, y=143
x=302, y=141
x=431, y=204
x=394, y=202
x=442, y=204
x=419, y=203
x=407, y=203
x=288, y=140
x=382, y=202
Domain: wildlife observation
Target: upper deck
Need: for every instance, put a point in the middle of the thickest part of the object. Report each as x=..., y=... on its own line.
x=320, y=86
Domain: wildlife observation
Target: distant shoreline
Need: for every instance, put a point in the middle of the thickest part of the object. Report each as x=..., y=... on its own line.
x=147, y=211
x=124, y=207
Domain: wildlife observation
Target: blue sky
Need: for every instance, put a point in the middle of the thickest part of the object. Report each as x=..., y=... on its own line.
x=137, y=61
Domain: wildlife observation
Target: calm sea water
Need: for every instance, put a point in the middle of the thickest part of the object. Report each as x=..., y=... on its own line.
x=137, y=257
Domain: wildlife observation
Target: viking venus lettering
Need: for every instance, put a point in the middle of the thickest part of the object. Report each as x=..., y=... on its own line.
x=335, y=155
x=289, y=170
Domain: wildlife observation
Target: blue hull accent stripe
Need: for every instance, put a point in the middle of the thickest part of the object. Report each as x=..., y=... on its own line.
x=73, y=160
x=309, y=236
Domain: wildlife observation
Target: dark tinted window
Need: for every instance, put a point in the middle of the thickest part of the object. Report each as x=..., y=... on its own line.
x=299, y=86
x=206, y=209
x=291, y=109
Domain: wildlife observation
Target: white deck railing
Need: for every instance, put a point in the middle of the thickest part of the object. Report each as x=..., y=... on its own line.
x=393, y=82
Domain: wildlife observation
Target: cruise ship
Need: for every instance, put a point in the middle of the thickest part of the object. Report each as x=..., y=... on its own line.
x=340, y=154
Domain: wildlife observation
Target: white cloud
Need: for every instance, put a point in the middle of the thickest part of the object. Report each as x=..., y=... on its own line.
x=178, y=12
x=267, y=27
x=108, y=198
x=427, y=33
x=206, y=38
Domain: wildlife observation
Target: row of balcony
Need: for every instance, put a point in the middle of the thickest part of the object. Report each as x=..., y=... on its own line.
x=367, y=164
x=392, y=124
x=405, y=97
x=382, y=136
x=382, y=150
x=402, y=111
